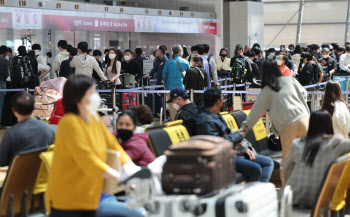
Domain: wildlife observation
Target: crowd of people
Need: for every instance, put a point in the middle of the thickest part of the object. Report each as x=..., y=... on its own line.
x=310, y=142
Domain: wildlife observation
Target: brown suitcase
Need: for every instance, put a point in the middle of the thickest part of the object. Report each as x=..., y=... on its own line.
x=200, y=165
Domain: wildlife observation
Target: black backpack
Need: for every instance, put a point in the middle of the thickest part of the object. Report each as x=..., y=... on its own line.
x=239, y=70
x=22, y=73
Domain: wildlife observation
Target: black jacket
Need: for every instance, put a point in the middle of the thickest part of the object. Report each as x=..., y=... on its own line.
x=209, y=123
x=4, y=69
x=133, y=67
x=187, y=113
x=196, y=79
x=306, y=75
x=95, y=76
x=66, y=70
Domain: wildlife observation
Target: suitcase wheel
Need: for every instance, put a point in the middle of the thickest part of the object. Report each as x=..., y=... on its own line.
x=241, y=207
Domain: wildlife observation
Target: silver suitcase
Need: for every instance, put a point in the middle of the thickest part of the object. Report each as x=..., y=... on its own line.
x=128, y=81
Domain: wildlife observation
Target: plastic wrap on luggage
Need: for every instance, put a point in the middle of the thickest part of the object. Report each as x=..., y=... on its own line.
x=44, y=101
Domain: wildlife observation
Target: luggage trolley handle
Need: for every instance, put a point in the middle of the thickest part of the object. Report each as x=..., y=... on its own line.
x=131, y=98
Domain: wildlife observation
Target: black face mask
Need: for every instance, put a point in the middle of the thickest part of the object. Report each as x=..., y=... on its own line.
x=223, y=55
x=125, y=134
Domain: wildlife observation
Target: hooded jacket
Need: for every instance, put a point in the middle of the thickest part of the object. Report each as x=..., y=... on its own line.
x=85, y=65
x=56, y=65
x=187, y=114
x=136, y=148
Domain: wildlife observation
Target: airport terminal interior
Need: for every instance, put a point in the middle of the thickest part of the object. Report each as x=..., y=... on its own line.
x=174, y=108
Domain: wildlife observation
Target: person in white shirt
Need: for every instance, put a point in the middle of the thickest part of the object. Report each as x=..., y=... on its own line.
x=85, y=64
x=41, y=60
x=212, y=65
x=344, y=62
x=63, y=55
x=334, y=103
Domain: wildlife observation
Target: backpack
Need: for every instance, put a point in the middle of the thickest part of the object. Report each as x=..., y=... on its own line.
x=22, y=73
x=239, y=70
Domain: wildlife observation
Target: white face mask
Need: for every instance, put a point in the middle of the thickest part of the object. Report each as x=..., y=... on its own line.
x=157, y=54
x=112, y=56
x=176, y=107
x=127, y=58
x=279, y=62
x=302, y=65
x=95, y=102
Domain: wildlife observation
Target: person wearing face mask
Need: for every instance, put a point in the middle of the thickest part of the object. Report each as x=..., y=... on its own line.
x=134, y=144
x=130, y=65
x=44, y=76
x=65, y=69
x=209, y=121
x=306, y=70
x=344, y=62
x=281, y=62
x=156, y=72
x=329, y=65
x=79, y=164
x=223, y=62
x=196, y=78
x=85, y=64
x=114, y=67
x=291, y=49
x=186, y=109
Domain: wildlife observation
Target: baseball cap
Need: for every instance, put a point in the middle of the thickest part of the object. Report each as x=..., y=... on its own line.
x=176, y=92
x=239, y=47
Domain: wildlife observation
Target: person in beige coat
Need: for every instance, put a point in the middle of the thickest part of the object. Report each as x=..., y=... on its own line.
x=223, y=63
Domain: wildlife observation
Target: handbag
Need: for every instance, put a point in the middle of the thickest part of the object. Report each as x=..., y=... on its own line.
x=113, y=160
x=275, y=143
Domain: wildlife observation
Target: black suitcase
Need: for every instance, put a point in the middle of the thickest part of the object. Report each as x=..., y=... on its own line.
x=200, y=165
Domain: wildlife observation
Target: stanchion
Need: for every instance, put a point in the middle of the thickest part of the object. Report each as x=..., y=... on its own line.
x=114, y=105
x=191, y=95
x=313, y=101
x=267, y=124
x=27, y=90
x=164, y=109
x=246, y=88
x=143, y=94
x=347, y=89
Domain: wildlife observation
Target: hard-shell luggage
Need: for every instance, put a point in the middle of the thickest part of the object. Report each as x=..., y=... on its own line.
x=130, y=100
x=253, y=199
x=172, y=206
x=128, y=81
x=200, y=165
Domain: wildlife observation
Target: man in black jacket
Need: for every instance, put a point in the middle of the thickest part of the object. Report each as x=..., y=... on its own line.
x=186, y=109
x=210, y=122
x=66, y=70
x=4, y=73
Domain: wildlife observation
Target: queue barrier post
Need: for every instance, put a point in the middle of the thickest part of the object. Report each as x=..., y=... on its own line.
x=191, y=95
x=267, y=124
x=347, y=89
x=114, y=106
x=143, y=94
x=313, y=99
x=164, y=108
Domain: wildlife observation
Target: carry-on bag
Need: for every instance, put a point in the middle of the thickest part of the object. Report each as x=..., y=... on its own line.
x=253, y=199
x=128, y=81
x=130, y=100
x=200, y=165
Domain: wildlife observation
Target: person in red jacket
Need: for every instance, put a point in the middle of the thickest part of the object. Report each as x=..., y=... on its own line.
x=281, y=62
x=134, y=144
x=58, y=112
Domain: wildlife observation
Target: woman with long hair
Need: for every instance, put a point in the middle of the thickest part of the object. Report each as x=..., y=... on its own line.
x=334, y=103
x=114, y=67
x=79, y=165
x=309, y=158
x=284, y=99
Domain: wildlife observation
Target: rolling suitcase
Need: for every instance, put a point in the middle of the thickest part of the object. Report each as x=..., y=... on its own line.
x=130, y=100
x=128, y=81
x=200, y=165
x=253, y=199
x=172, y=206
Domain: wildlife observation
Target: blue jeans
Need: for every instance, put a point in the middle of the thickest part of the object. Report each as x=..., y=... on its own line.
x=111, y=207
x=2, y=97
x=258, y=170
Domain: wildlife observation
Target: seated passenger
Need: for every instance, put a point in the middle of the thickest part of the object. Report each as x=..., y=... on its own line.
x=186, y=109
x=134, y=144
x=310, y=157
x=144, y=116
x=28, y=134
x=210, y=122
